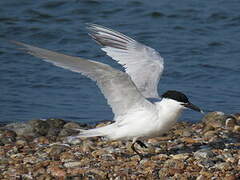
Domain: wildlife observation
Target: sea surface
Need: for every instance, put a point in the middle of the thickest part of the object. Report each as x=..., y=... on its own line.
x=199, y=40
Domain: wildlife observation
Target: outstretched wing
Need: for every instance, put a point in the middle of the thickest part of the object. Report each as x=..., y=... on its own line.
x=117, y=87
x=142, y=63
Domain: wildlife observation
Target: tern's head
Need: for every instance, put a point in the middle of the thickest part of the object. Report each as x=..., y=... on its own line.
x=180, y=99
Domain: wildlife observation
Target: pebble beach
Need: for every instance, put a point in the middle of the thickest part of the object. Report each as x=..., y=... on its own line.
x=42, y=150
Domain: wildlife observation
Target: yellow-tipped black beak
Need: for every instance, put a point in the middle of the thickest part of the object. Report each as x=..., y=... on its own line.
x=193, y=107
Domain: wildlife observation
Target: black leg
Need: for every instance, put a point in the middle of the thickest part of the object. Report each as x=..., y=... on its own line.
x=138, y=153
x=141, y=144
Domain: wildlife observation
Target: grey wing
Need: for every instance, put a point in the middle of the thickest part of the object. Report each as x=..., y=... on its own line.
x=143, y=64
x=117, y=86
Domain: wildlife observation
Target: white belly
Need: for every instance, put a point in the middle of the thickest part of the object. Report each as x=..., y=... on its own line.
x=144, y=123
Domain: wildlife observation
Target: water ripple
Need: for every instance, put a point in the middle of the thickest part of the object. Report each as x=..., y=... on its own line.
x=198, y=40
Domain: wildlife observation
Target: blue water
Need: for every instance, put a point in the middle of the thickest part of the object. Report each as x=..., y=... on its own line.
x=199, y=40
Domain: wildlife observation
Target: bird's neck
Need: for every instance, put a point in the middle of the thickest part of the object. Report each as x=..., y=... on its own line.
x=169, y=109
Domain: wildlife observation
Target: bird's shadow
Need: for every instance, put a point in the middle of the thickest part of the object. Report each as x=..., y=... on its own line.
x=220, y=144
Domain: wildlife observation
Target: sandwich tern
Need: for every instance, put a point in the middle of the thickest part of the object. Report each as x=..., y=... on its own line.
x=128, y=93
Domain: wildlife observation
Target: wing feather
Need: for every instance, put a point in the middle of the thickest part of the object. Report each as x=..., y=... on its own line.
x=117, y=87
x=143, y=64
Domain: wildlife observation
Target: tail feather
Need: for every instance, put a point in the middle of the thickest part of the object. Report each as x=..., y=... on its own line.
x=105, y=131
x=90, y=132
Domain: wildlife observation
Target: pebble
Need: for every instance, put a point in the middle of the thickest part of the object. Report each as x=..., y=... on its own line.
x=181, y=156
x=236, y=128
x=214, y=120
x=39, y=127
x=206, y=163
x=56, y=171
x=230, y=122
x=21, y=143
x=67, y=157
x=7, y=140
x=201, y=177
x=21, y=129
x=55, y=151
x=41, y=140
x=72, y=164
x=55, y=123
x=174, y=163
x=52, y=132
x=210, y=133
x=203, y=153
x=72, y=125
x=188, y=151
x=223, y=166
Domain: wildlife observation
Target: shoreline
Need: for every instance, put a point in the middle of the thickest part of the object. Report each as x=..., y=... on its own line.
x=40, y=149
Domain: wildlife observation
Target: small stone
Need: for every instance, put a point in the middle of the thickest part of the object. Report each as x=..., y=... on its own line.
x=230, y=122
x=237, y=116
x=179, y=176
x=153, y=141
x=41, y=140
x=189, y=140
x=99, y=152
x=56, y=171
x=2, y=132
x=107, y=157
x=231, y=160
x=53, y=131
x=203, y=153
x=174, y=163
x=68, y=132
x=236, y=128
x=103, y=124
x=201, y=177
x=71, y=129
x=185, y=153
x=205, y=163
x=40, y=127
x=45, y=177
x=67, y=157
x=73, y=140
x=162, y=157
x=7, y=133
x=21, y=142
x=210, y=133
x=208, y=175
x=87, y=146
x=72, y=125
x=230, y=177
x=3, y=160
x=180, y=156
x=214, y=120
x=223, y=166
x=164, y=173
x=55, y=151
x=29, y=159
x=187, y=133
x=21, y=129
x=96, y=173
x=76, y=172
x=26, y=176
x=56, y=123
x=72, y=164
x=146, y=163
x=39, y=171
x=8, y=140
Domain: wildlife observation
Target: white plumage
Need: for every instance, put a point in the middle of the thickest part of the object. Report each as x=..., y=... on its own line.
x=126, y=93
